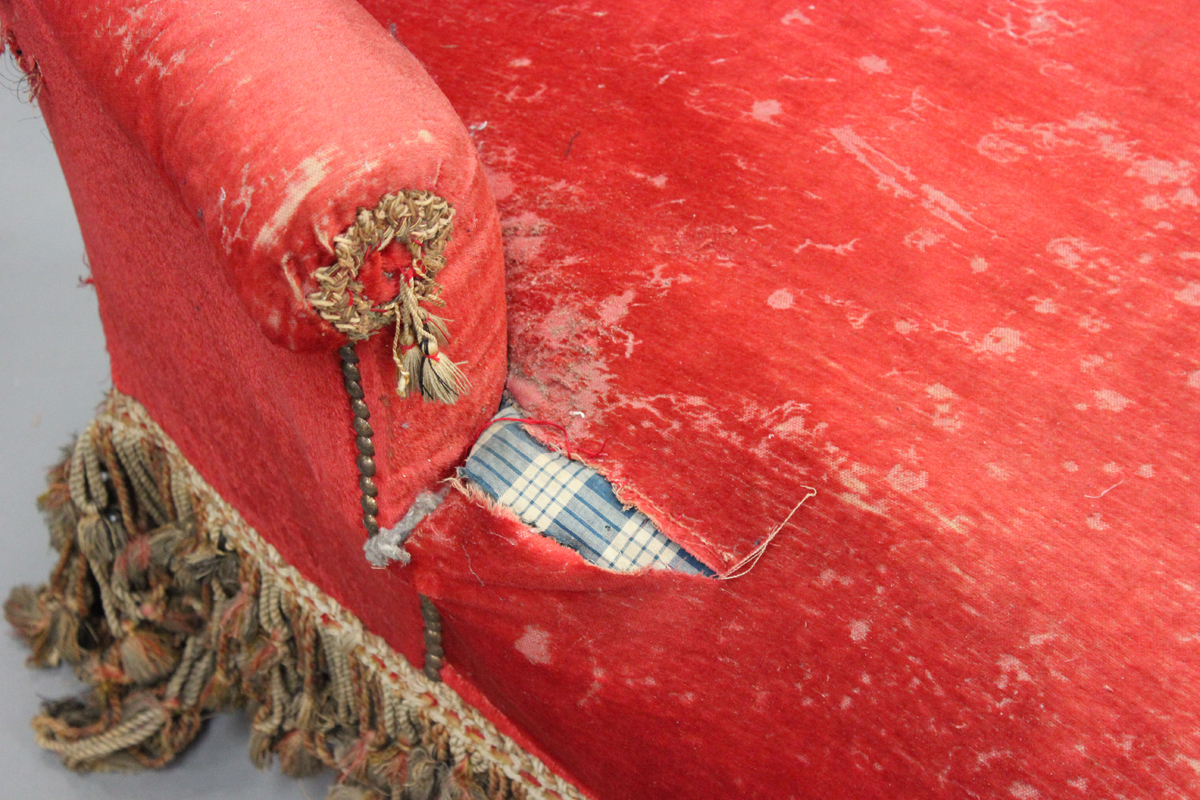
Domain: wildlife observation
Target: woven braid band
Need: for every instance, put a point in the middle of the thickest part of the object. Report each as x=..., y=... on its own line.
x=172, y=608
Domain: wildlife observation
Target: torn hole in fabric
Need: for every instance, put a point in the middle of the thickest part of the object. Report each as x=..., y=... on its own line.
x=568, y=501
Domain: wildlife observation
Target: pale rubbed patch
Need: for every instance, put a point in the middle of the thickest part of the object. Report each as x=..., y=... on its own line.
x=923, y=238
x=859, y=629
x=1155, y=171
x=979, y=264
x=1001, y=341
x=1070, y=466
x=873, y=65
x=1108, y=400
x=781, y=299
x=939, y=392
x=1154, y=202
x=501, y=184
x=613, y=309
x=425, y=136
x=520, y=62
x=905, y=480
x=999, y=149
x=998, y=472
x=1193, y=379
x=766, y=110
x=905, y=327
x=1186, y=197
x=1145, y=471
x=1023, y=791
x=1189, y=295
x=795, y=15
x=1093, y=324
x=1044, y=305
x=312, y=170
x=534, y=644
x=657, y=181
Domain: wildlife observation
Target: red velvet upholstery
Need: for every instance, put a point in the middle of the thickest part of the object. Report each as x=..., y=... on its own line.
x=937, y=261
x=201, y=221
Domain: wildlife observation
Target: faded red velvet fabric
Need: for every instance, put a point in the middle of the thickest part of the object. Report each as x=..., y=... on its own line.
x=938, y=261
x=208, y=159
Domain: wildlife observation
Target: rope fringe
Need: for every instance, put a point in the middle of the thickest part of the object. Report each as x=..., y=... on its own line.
x=172, y=609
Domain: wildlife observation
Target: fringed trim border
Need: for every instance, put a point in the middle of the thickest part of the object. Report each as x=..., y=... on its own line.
x=172, y=608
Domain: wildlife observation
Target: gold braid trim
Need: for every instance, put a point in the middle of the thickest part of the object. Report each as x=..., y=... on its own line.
x=172, y=608
x=422, y=222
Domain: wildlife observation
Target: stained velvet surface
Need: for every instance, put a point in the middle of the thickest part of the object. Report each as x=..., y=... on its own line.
x=936, y=261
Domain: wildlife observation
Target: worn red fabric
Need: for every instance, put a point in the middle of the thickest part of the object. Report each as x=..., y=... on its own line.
x=937, y=261
x=208, y=152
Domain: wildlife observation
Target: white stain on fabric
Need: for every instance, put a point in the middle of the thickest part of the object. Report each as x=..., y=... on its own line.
x=534, y=644
x=766, y=110
x=308, y=174
x=519, y=62
x=781, y=299
x=1189, y=295
x=873, y=65
x=1108, y=400
x=905, y=480
x=1001, y=341
x=795, y=15
x=859, y=629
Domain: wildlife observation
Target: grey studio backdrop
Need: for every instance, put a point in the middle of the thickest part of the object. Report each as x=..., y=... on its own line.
x=54, y=370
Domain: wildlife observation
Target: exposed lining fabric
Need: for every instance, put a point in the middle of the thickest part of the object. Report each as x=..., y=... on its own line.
x=569, y=501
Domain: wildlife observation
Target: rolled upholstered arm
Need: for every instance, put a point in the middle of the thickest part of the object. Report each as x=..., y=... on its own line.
x=214, y=153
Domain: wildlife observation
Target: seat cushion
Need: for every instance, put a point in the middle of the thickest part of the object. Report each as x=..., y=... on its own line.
x=938, y=263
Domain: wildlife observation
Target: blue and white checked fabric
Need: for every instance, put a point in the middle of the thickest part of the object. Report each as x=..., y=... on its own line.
x=569, y=501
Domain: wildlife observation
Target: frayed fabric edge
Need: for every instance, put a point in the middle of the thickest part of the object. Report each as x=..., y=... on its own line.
x=172, y=608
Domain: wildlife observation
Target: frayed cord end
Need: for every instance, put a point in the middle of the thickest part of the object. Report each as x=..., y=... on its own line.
x=388, y=545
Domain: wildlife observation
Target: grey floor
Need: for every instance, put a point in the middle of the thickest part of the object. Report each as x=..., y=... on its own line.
x=53, y=373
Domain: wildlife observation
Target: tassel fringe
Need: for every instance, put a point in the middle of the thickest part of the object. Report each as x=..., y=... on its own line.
x=172, y=609
x=422, y=222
